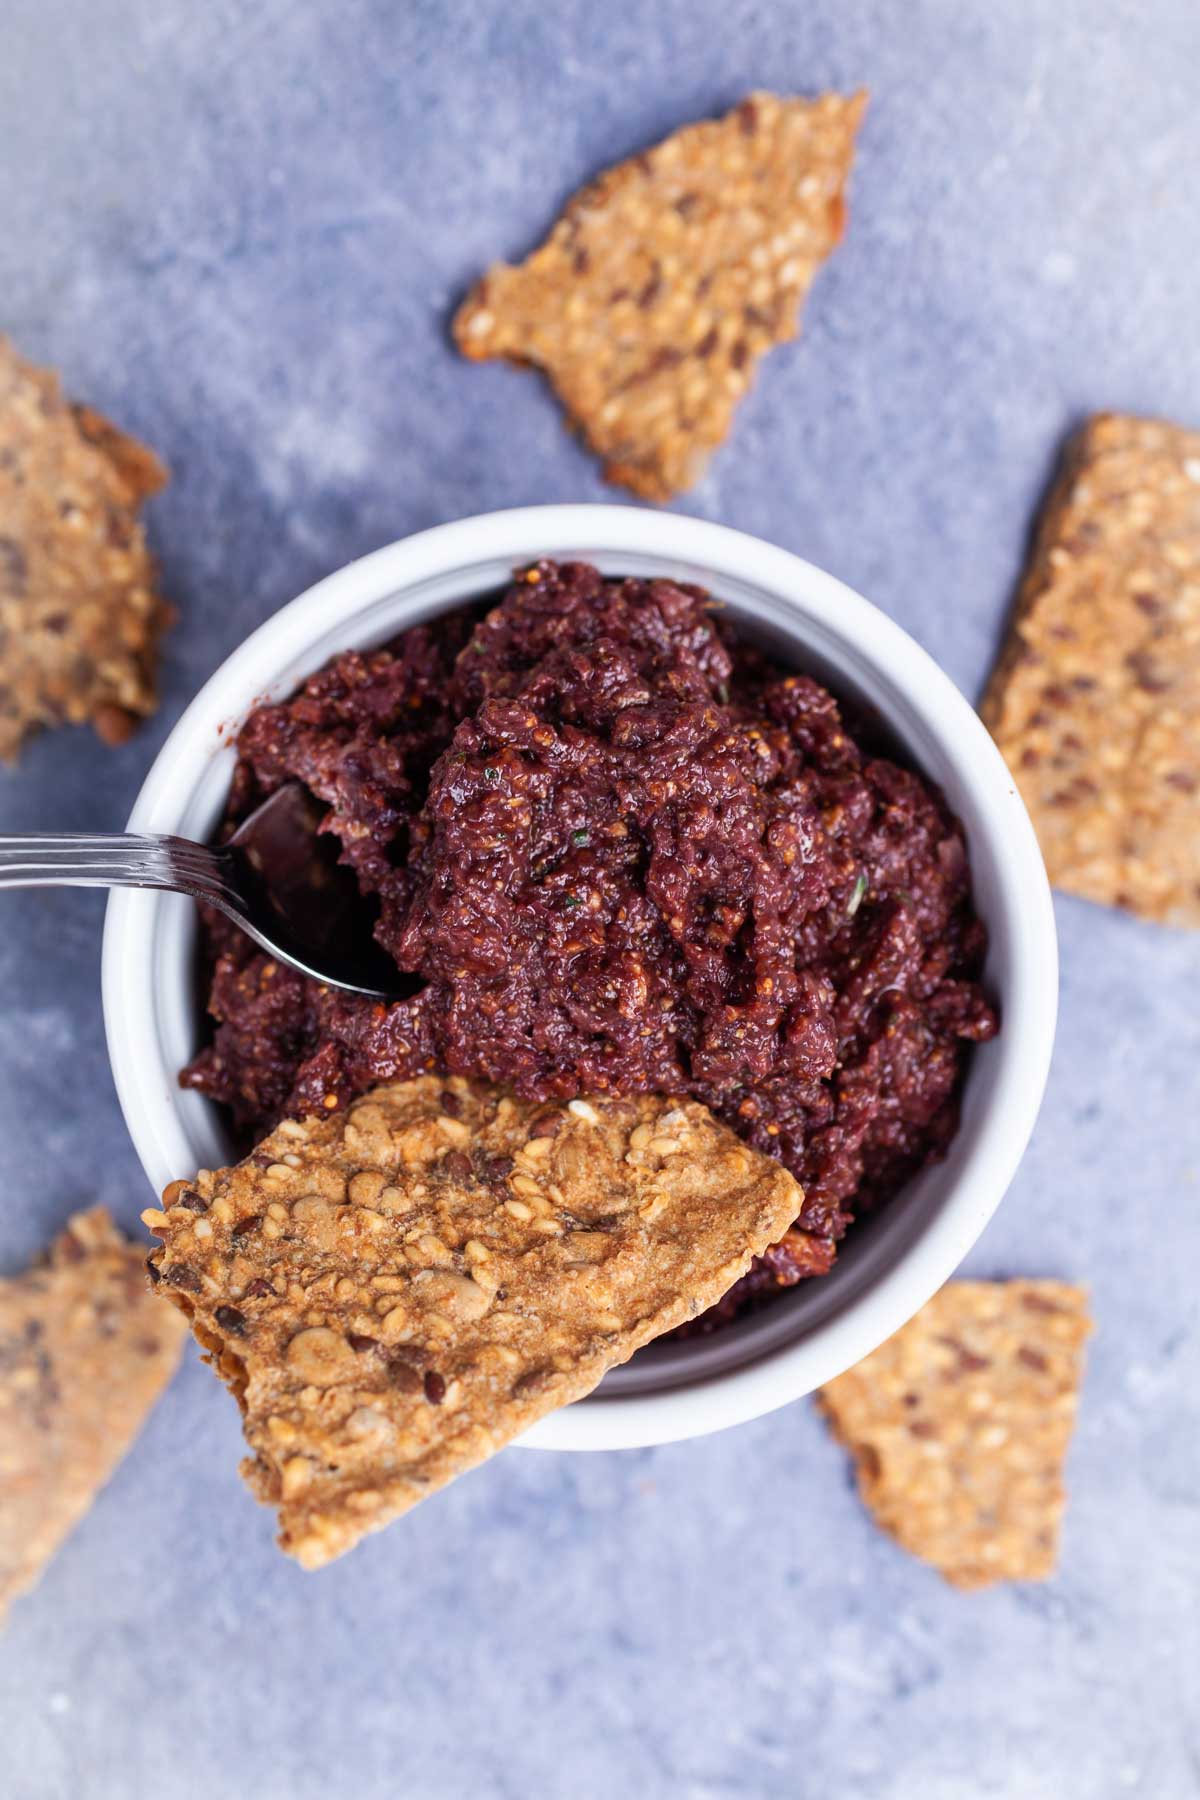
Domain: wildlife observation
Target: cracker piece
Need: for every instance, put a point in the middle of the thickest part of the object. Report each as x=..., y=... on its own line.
x=393, y=1293
x=667, y=278
x=80, y=617
x=1095, y=701
x=85, y=1351
x=959, y=1427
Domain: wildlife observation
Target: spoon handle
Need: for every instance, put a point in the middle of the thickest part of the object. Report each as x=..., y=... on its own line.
x=48, y=859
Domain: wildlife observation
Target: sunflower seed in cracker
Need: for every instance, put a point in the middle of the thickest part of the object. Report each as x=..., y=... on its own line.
x=959, y=1427
x=666, y=280
x=85, y=1350
x=395, y=1292
x=1095, y=701
x=80, y=616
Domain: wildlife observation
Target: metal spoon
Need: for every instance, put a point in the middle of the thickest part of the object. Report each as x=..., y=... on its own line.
x=278, y=879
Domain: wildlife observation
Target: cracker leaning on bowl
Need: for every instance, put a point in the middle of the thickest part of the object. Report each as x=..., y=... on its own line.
x=959, y=1427
x=669, y=276
x=393, y=1293
x=1095, y=701
x=80, y=614
x=85, y=1351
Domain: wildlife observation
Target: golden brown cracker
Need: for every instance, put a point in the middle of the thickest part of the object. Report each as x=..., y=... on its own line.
x=1095, y=701
x=395, y=1292
x=80, y=617
x=665, y=280
x=85, y=1350
x=959, y=1427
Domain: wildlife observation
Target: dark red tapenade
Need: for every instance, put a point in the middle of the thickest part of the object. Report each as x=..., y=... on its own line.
x=616, y=850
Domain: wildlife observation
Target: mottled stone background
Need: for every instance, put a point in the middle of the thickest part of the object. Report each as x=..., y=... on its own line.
x=240, y=229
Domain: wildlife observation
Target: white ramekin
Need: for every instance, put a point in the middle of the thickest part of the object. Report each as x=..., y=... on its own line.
x=890, y=1265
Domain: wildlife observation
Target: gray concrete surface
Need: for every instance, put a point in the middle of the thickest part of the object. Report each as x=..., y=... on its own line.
x=240, y=230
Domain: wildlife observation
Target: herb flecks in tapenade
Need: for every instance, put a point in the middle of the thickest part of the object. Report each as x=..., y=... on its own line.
x=619, y=852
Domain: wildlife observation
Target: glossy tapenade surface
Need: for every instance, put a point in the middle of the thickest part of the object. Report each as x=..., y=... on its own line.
x=615, y=850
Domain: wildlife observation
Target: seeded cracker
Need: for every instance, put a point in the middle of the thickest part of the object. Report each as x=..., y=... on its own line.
x=393, y=1293
x=1095, y=701
x=959, y=1427
x=80, y=618
x=668, y=277
x=85, y=1351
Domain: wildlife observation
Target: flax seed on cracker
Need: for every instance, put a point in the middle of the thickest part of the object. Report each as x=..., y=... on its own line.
x=80, y=614
x=669, y=276
x=1095, y=701
x=959, y=1427
x=433, y=1284
x=85, y=1351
